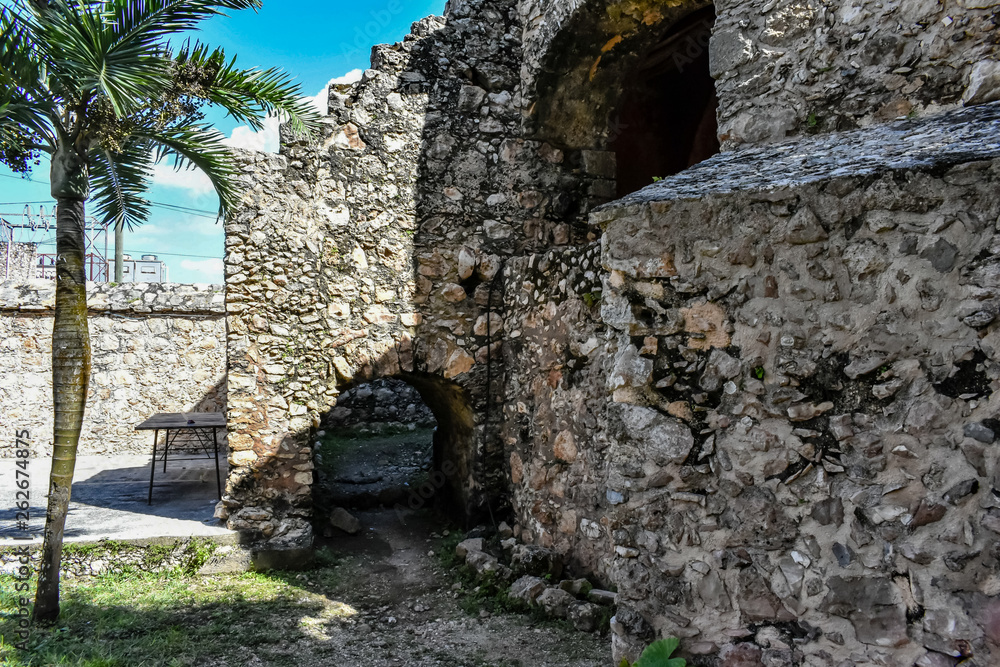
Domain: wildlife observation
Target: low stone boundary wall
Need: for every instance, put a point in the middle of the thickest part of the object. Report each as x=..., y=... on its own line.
x=156, y=348
x=190, y=555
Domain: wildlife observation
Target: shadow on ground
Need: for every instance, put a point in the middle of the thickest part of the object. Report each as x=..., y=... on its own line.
x=380, y=597
x=109, y=500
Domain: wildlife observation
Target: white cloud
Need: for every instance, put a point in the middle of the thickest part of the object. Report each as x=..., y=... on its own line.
x=351, y=77
x=209, y=270
x=267, y=139
x=193, y=180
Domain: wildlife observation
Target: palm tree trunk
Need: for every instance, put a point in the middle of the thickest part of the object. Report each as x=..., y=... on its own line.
x=119, y=250
x=70, y=378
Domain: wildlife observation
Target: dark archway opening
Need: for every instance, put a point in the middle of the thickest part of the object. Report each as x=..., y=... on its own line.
x=403, y=443
x=375, y=446
x=666, y=117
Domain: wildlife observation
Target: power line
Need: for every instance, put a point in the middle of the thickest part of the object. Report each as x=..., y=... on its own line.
x=154, y=252
x=176, y=207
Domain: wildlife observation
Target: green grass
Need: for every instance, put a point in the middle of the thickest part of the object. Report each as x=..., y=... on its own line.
x=176, y=619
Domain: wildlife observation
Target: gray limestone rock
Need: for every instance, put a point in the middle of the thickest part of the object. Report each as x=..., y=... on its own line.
x=627, y=622
x=756, y=520
x=534, y=560
x=465, y=547
x=663, y=440
x=483, y=563
x=872, y=604
x=608, y=598
x=345, y=521
x=980, y=432
x=576, y=587
x=527, y=589
x=961, y=491
x=984, y=83
x=585, y=616
x=720, y=367
x=556, y=602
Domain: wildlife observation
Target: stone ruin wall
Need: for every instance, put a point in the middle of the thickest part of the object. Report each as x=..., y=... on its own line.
x=641, y=422
x=783, y=68
x=17, y=262
x=378, y=251
x=804, y=66
x=797, y=462
x=379, y=404
x=156, y=348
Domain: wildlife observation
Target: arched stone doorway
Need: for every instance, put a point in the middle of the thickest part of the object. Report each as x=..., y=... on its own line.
x=666, y=117
x=403, y=442
x=629, y=89
x=374, y=448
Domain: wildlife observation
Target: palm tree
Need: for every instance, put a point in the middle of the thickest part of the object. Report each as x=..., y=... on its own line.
x=96, y=86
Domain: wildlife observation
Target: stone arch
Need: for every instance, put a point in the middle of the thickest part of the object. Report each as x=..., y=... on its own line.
x=454, y=438
x=604, y=60
x=665, y=120
x=452, y=474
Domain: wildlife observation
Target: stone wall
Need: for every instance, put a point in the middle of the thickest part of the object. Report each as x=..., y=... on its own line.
x=798, y=463
x=17, y=262
x=377, y=252
x=556, y=355
x=783, y=68
x=756, y=396
x=799, y=66
x=382, y=402
x=156, y=348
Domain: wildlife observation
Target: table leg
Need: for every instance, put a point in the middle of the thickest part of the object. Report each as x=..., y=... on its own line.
x=152, y=467
x=215, y=441
x=166, y=448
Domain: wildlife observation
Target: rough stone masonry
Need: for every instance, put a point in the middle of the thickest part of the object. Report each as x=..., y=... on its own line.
x=156, y=348
x=757, y=397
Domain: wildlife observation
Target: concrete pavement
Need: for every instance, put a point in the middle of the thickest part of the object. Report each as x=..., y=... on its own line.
x=109, y=500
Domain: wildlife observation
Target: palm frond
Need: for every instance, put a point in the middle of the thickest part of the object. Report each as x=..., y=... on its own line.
x=81, y=44
x=19, y=64
x=25, y=103
x=201, y=147
x=250, y=95
x=140, y=24
x=118, y=181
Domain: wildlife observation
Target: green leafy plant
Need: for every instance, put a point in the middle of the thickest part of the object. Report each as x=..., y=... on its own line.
x=658, y=654
x=657, y=179
x=592, y=298
x=759, y=372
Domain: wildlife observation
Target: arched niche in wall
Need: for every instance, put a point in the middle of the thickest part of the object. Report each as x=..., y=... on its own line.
x=630, y=78
x=666, y=116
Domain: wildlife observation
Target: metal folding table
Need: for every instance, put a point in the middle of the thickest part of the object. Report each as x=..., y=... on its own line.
x=197, y=427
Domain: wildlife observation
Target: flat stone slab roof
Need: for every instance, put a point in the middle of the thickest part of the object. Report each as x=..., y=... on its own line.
x=109, y=500
x=944, y=140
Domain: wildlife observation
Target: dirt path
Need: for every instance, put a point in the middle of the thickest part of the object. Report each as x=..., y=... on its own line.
x=409, y=614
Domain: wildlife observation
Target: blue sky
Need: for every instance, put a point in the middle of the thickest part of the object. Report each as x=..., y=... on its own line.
x=314, y=42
